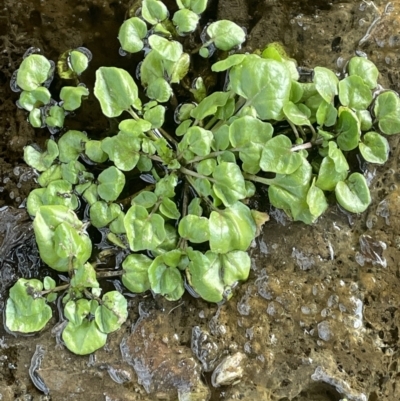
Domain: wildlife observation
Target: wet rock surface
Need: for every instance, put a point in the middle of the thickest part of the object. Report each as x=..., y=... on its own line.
x=319, y=317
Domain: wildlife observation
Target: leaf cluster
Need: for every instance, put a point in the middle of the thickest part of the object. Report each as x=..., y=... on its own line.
x=190, y=224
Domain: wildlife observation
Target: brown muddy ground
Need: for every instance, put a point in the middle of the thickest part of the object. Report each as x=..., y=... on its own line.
x=318, y=319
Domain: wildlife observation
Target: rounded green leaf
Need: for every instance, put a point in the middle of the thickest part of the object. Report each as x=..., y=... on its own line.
x=328, y=177
x=72, y=96
x=365, y=69
x=348, y=128
x=34, y=99
x=55, y=117
x=231, y=229
x=197, y=140
x=326, y=83
x=194, y=228
x=144, y=231
x=26, y=311
x=101, y=213
x=94, y=151
x=295, y=115
x=33, y=72
x=71, y=145
x=115, y=89
x=85, y=338
x=168, y=49
x=135, y=277
x=387, y=112
x=316, y=200
x=78, y=61
x=374, y=148
x=35, y=118
x=277, y=156
x=155, y=116
x=59, y=192
x=41, y=161
x=146, y=199
x=131, y=34
x=185, y=21
x=354, y=93
x=159, y=90
x=35, y=200
x=209, y=105
x=169, y=209
x=229, y=183
x=111, y=183
x=235, y=267
x=154, y=11
x=353, y=194
x=226, y=34
x=112, y=312
x=123, y=149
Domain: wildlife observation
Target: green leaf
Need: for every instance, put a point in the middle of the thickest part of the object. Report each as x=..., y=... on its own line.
x=229, y=183
x=209, y=105
x=72, y=171
x=154, y=11
x=41, y=161
x=34, y=201
x=59, y=192
x=79, y=62
x=185, y=21
x=169, y=209
x=206, y=167
x=33, y=72
x=231, y=229
x=365, y=69
x=135, y=277
x=71, y=145
x=205, y=275
x=111, y=183
x=289, y=192
x=198, y=6
x=152, y=68
x=326, y=114
x=167, y=49
x=295, y=115
x=48, y=283
x=155, y=116
x=101, y=213
x=296, y=92
x=199, y=89
x=354, y=93
x=348, y=128
x=316, y=200
x=277, y=156
x=364, y=116
x=94, y=151
x=165, y=280
x=51, y=174
x=194, y=228
x=159, y=90
x=115, y=89
x=197, y=140
x=264, y=83
x=166, y=186
x=26, y=311
x=76, y=311
x=229, y=62
x=326, y=83
x=68, y=244
x=84, y=277
x=72, y=96
x=35, y=118
x=131, y=34
x=195, y=207
x=225, y=34
x=178, y=69
x=387, y=112
x=112, y=312
x=235, y=267
x=90, y=195
x=56, y=117
x=85, y=338
x=34, y=99
x=123, y=149
x=374, y=148
x=353, y=194
x=144, y=231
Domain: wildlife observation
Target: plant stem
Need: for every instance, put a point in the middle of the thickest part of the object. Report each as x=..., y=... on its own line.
x=256, y=178
x=294, y=129
x=212, y=154
x=114, y=273
x=204, y=198
x=55, y=289
x=186, y=171
x=307, y=145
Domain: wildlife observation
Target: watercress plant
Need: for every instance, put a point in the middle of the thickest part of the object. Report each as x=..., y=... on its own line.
x=191, y=222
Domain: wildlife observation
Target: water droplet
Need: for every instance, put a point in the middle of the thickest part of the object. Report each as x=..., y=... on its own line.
x=122, y=52
x=13, y=82
x=31, y=50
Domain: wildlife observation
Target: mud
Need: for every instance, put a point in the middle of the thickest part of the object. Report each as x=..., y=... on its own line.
x=319, y=317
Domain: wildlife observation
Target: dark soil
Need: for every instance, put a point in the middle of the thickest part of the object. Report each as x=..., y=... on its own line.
x=319, y=317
